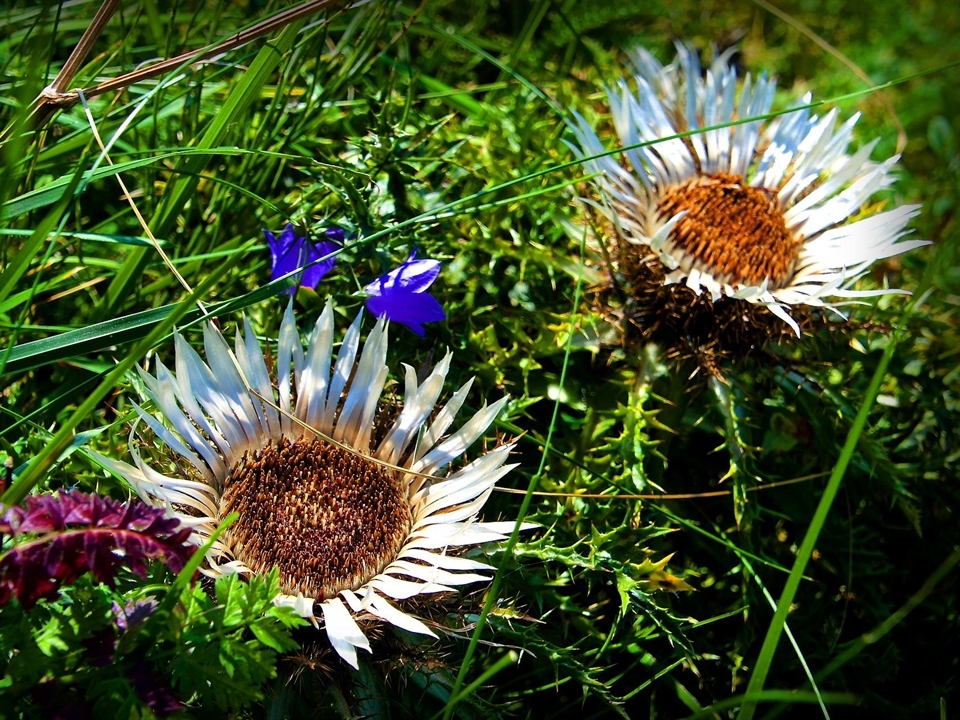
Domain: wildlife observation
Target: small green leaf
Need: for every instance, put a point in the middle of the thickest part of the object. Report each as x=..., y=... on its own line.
x=272, y=636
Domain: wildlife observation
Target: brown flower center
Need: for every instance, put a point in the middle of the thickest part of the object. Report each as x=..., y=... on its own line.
x=736, y=231
x=329, y=519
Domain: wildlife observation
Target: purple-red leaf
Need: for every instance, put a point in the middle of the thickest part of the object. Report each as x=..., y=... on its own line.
x=80, y=532
x=153, y=690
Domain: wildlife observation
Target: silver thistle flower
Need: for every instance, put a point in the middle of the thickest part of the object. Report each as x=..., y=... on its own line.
x=351, y=532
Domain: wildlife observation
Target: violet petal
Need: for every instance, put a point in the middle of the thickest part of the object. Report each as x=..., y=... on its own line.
x=314, y=274
x=411, y=309
x=279, y=245
x=413, y=276
x=289, y=252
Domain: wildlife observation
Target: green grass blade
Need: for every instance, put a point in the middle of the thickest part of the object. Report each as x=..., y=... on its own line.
x=64, y=187
x=247, y=89
x=775, y=630
x=100, y=336
x=18, y=264
x=790, y=696
x=64, y=436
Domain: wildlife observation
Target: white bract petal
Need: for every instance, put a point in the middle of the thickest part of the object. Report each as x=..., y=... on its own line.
x=344, y=633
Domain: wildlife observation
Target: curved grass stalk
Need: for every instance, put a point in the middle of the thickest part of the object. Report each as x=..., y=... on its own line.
x=771, y=640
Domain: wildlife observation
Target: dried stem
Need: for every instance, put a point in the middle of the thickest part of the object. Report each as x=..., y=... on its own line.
x=54, y=97
x=80, y=52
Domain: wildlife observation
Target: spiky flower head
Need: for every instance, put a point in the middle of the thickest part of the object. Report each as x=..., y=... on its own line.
x=743, y=213
x=353, y=510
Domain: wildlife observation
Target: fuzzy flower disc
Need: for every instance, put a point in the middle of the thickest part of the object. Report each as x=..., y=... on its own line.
x=329, y=519
x=735, y=230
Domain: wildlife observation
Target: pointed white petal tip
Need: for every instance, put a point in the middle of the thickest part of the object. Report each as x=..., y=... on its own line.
x=344, y=633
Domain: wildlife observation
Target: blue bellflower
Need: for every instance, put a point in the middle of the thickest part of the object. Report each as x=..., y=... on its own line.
x=290, y=252
x=402, y=294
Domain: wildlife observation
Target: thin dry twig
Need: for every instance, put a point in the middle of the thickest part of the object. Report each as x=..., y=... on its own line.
x=55, y=97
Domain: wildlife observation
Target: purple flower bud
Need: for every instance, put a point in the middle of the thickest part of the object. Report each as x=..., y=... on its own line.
x=290, y=252
x=402, y=294
x=133, y=613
